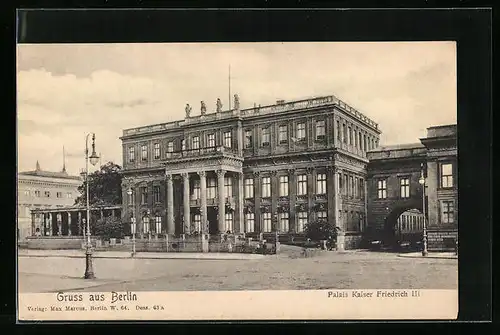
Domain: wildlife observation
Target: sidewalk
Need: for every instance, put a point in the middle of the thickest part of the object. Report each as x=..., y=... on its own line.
x=442, y=255
x=141, y=255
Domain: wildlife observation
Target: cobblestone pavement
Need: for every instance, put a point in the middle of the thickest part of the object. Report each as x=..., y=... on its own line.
x=353, y=270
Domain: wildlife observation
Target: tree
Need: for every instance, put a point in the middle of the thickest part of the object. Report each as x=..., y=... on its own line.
x=321, y=230
x=105, y=187
x=109, y=227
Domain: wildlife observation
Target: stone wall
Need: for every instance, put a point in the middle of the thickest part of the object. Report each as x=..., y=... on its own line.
x=55, y=242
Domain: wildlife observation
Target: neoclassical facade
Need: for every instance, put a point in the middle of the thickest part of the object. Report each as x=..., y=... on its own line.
x=39, y=189
x=257, y=170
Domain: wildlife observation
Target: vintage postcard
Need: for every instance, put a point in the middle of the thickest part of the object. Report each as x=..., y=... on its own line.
x=237, y=181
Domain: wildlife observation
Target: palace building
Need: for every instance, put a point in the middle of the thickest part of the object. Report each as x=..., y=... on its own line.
x=257, y=170
x=42, y=190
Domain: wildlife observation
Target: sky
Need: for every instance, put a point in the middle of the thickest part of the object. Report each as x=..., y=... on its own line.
x=65, y=91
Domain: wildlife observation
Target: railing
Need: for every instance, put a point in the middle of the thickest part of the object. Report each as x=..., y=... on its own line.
x=277, y=108
x=206, y=151
x=309, y=103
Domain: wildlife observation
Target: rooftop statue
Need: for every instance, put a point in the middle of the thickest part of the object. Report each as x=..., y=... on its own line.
x=203, y=108
x=188, y=111
x=219, y=105
x=236, y=102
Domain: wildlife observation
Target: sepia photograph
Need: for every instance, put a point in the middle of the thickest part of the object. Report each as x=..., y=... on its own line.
x=183, y=170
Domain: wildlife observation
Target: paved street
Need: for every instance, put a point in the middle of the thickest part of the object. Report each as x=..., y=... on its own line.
x=368, y=270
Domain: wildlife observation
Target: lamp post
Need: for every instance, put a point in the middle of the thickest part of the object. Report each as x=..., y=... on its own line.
x=89, y=271
x=422, y=182
x=133, y=224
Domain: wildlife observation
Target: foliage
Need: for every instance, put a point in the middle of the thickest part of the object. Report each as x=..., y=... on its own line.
x=109, y=227
x=320, y=230
x=104, y=187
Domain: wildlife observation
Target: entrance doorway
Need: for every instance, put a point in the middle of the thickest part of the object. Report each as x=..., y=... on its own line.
x=213, y=225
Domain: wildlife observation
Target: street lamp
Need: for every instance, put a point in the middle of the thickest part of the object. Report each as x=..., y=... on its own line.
x=89, y=271
x=133, y=224
x=422, y=182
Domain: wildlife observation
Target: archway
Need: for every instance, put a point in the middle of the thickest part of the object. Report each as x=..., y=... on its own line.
x=403, y=224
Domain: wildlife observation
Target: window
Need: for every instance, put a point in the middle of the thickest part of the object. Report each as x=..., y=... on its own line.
x=355, y=138
x=144, y=195
x=156, y=194
x=302, y=184
x=321, y=183
x=170, y=148
x=266, y=136
x=301, y=131
x=364, y=143
x=211, y=188
x=248, y=139
x=283, y=186
x=227, y=139
x=322, y=215
x=346, y=185
x=360, y=143
x=183, y=144
x=266, y=223
x=361, y=188
x=344, y=132
x=197, y=223
x=69, y=195
x=37, y=193
x=145, y=224
x=131, y=154
x=158, y=224
x=228, y=220
x=196, y=142
x=47, y=194
x=266, y=187
x=283, y=222
x=211, y=140
x=447, y=175
x=320, y=130
x=447, y=211
x=349, y=132
x=351, y=184
x=339, y=137
x=27, y=193
x=196, y=190
x=283, y=134
x=248, y=188
x=382, y=189
x=144, y=152
x=301, y=221
x=405, y=187
x=228, y=186
x=250, y=222
x=157, y=150
x=58, y=194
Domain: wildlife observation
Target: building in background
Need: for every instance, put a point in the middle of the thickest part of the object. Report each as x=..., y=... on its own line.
x=394, y=189
x=39, y=189
x=257, y=170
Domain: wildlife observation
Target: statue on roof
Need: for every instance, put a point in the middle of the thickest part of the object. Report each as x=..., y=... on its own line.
x=37, y=166
x=219, y=105
x=203, y=108
x=188, y=111
x=236, y=102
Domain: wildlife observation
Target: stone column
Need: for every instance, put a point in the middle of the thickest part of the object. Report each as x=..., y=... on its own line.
x=365, y=197
x=222, y=199
x=33, y=228
x=203, y=198
x=80, y=232
x=59, y=224
x=292, y=193
x=337, y=201
x=101, y=213
x=187, y=215
x=69, y=223
x=241, y=197
x=170, y=205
